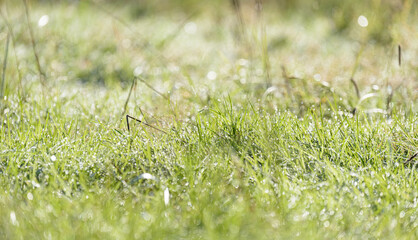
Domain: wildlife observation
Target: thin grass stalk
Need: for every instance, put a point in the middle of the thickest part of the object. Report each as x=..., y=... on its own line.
x=153, y=89
x=263, y=40
x=170, y=37
x=399, y=55
x=242, y=37
x=129, y=96
x=3, y=78
x=237, y=9
x=356, y=64
x=389, y=87
x=146, y=124
x=355, y=87
x=42, y=75
x=14, y=53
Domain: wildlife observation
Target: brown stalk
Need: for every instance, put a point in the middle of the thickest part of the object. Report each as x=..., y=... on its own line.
x=146, y=124
x=399, y=55
x=355, y=87
x=409, y=161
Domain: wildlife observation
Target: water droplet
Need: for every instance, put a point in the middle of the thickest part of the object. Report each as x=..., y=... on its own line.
x=146, y=176
x=43, y=21
x=166, y=196
x=30, y=196
x=362, y=21
x=211, y=75
x=13, y=218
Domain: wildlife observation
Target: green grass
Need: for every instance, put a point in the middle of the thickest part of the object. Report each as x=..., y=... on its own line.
x=266, y=148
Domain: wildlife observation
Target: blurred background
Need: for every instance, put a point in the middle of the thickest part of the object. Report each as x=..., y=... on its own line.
x=185, y=48
x=383, y=13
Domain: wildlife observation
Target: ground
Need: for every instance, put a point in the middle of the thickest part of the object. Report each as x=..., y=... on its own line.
x=266, y=120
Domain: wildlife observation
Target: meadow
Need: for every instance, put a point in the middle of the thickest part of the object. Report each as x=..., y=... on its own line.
x=209, y=119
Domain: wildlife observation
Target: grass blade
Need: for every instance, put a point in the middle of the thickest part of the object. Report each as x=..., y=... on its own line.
x=3, y=78
x=32, y=39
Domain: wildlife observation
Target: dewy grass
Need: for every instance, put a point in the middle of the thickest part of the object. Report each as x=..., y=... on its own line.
x=231, y=158
x=258, y=173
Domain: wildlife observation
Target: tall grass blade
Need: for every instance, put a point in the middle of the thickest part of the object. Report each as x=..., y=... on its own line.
x=129, y=96
x=3, y=77
x=42, y=75
x=153, y=89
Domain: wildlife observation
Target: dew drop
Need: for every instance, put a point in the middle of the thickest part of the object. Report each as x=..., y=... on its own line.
x=30, y=196
x=166, y=196
x=211, y=75
x=13, y=218
x=43, y=21
x=362, y=21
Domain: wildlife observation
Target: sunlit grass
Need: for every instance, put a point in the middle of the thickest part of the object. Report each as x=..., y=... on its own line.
x=262, y=133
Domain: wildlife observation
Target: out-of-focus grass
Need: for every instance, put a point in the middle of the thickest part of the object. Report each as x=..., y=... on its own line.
x=261, y=140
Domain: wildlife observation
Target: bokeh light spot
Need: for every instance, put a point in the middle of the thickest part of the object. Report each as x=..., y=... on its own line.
x=211, y=75
x=362, y=21
x=43, y=21
x=190, y=28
